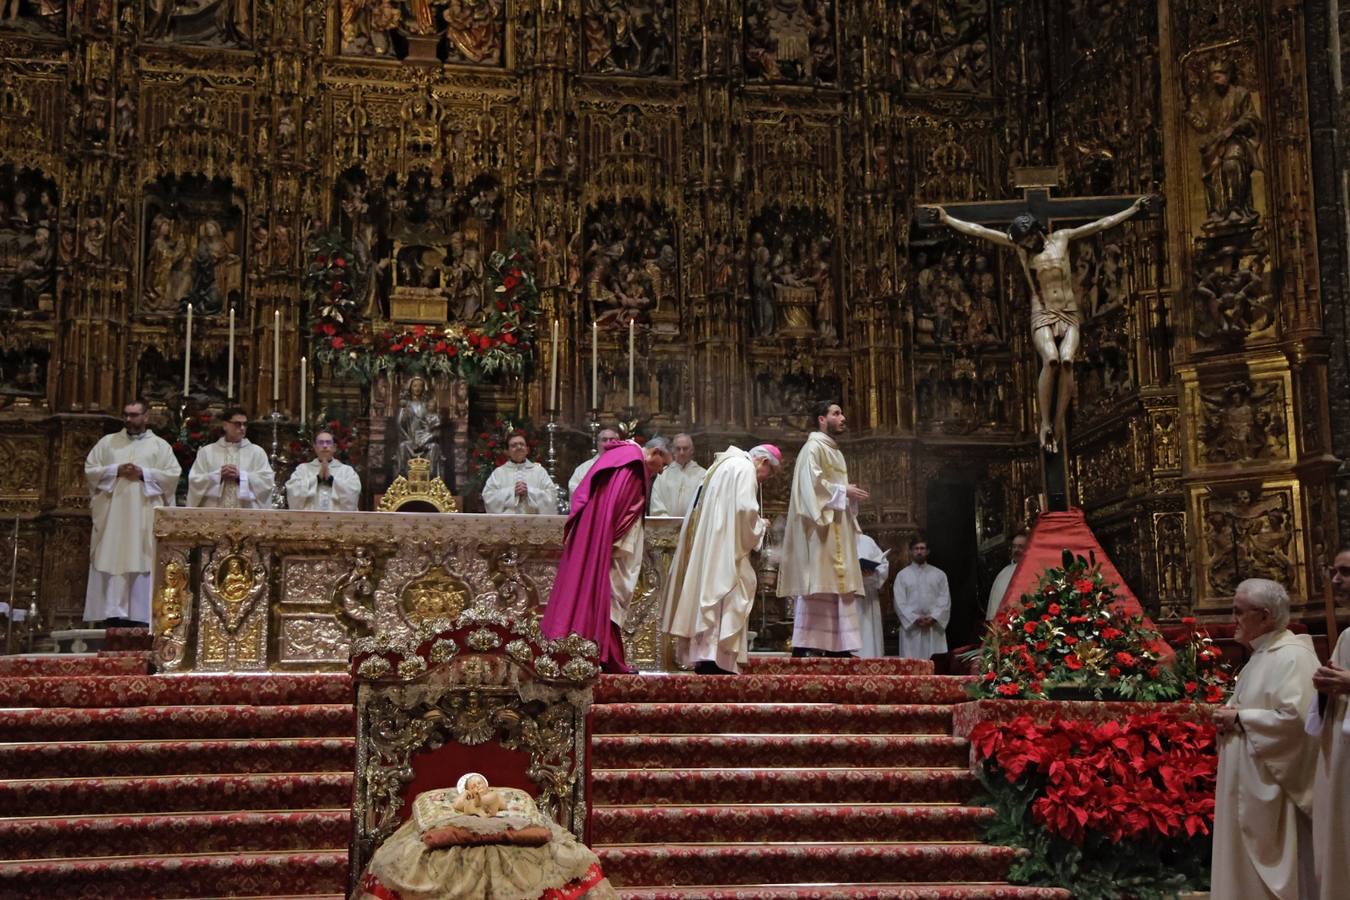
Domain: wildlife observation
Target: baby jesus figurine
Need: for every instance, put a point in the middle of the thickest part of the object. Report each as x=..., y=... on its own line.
x=476, y=798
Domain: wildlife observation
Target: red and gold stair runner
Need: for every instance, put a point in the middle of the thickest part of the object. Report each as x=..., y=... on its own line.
x=813, y=778
x=118, y=784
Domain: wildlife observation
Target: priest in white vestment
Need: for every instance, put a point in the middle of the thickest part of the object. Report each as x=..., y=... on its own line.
x=605, y=436
x=674, y=488
x=520, y=486
x=232, y=473
x=130, y=474
x=1018, y=548
x=1263, y=798
x=923, y=603
x=875, y=568
x=711, y=588
x=819, y=562
x=1328, y=722
x=324, y=484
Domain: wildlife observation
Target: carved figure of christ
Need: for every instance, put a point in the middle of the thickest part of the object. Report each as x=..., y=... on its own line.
x=1056, y=316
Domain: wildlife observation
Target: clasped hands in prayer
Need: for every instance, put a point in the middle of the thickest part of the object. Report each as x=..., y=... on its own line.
x=130, y=471
x=229, y=472
x=522, y=488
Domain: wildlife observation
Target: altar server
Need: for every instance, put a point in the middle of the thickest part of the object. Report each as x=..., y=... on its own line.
x=602, y=549
x=232, y=473
x=923, y=603
x=324, y=484
x=711, y=588
x=602, y=439
x=1329, y=722
x=875, y=568
x=674, y=489
x=1018, y=549
x=1263, y=798
x=130, y=474
x=819, y=567
x=520, y=486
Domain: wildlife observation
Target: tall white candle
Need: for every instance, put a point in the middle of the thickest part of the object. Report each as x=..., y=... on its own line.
x=553, y=372
x=187, y=354
x=229, y=361
x=595, y=366
x=304, y=391
x=276, y=356
x=632, y=350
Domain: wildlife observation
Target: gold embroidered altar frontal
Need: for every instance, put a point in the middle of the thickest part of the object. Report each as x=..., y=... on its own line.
x=259, y=590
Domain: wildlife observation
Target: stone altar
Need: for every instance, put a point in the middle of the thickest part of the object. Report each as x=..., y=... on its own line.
x=270, y=590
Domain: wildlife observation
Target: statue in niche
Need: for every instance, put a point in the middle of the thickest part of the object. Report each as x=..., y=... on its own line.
x=419, y=428
x=790, y=40
x=33, y=15
x=630, y=264
x=367, y=27
x=216, y=22
x=1056, y=313
x=792, y=284
x=192, y=246
x=761, y=285
x=23, y=373
x=28, y=251
x=1230, y=146
x=168, y=274
x=632, y=38
x=215, y=271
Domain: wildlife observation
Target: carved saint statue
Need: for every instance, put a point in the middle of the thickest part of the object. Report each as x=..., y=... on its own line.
x=1230, y=146
x=418, y=427
x=1055, y=311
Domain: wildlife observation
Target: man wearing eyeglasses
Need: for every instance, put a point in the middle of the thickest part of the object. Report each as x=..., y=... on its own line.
x=1263, y=796
x=130, y=473
x=1327, y=720
x=324, y=483
x=232, y=473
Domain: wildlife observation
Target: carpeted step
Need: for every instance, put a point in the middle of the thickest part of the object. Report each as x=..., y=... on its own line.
x=174, y=793
x=128, y=639
x=758, y=718
x=762, y=750
x=821, y=665
x=782, y=822
x=68, y=665
x=170, y=690
x=801, y=863
x=150, y=878
x=995, y=891
x=639, y=787
x=170, y=722
x=177, y=757
x=149, y=835
x=887, y=689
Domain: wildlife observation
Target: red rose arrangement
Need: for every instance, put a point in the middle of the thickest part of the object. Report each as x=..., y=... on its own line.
x=1070, y=633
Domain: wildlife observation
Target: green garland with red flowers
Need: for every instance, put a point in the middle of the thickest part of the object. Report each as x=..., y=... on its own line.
x=501, y=340
x=1069, y=634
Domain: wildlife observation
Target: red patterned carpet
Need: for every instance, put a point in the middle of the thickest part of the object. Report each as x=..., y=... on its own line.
x=118, y=784
x=815, y=778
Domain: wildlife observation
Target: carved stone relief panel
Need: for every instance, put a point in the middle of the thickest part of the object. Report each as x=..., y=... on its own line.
x=784, y=400
x=1173, y=575
x=29, y=205
x=467, y=32
x=630, y=267
x=954, y=288
x=946, y=46
x=1105, y=472
x=34, y=17
x=25, y=471
x=1248, y=532
x=964, y=392
x=792, y=275
x=220, y=23
x=791, y=41
x=1242, y=421
x=629, y=39
x=23, y=376
x=193, y=247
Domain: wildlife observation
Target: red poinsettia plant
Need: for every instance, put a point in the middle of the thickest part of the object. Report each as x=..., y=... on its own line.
x=500, y=338
x=488, y=450
x=1120, y=808
x=1202, y=674
x=1070, y=633
x=344, y=438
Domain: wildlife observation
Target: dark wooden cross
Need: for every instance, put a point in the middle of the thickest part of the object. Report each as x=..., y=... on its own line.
x=1036, y=184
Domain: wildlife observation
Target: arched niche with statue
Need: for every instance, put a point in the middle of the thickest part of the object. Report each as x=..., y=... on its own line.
x=412, y=418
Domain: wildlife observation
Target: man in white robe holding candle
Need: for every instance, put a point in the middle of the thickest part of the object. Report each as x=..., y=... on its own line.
x=819, y=566
x=130, y=475
x=711, y=588
x=604, y=437
x=520, y=486
x=324, y=484
x=1327, y=720
x=232, y=473
x=1263, y=796
x=674, y=488
x=924, y=604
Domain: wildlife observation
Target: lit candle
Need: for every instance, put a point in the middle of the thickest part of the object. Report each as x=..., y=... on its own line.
x=304, y=391
x=553, y=372
x=595, y=366
x=187, y=354
x=276, y=356
x=632, y=349
x=229, y=361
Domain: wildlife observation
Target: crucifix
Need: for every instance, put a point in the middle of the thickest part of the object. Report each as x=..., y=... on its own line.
x=1056, y=316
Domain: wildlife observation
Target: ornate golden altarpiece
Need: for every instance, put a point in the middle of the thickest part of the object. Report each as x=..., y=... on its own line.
x=741, y=177
x=260, y=590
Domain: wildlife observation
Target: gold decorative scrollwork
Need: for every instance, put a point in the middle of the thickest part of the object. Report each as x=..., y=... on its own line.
x=418, y=492
x=435, y=595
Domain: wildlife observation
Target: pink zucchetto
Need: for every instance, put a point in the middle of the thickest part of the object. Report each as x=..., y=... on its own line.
x=769, y=452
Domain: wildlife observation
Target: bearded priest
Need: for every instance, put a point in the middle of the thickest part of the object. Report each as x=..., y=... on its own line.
x=1262, y=801
x=711, y=588
x=602, y=548
x=232, y=473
